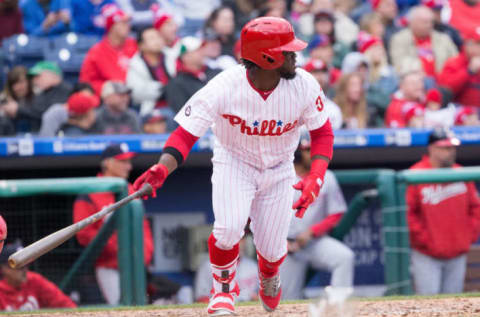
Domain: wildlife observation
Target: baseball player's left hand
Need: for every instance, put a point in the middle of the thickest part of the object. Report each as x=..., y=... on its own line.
x=310, y=187
x=304, y=237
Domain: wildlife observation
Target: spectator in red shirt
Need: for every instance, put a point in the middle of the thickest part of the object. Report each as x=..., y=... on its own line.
x=115, y=163
x=467, y=116
x=24, y=290
x=421, y=41
x=461, y=74
x=411, y=91
x=414, y=115
x=463, y=15
x=109, y=58
x=11, y=18
x=443, y=219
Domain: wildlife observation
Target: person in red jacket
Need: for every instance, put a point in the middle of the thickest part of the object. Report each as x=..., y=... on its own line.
x=461, y=74
x=463, y=15
x=443, y=219
x=115, y=163
x=412, y=92
x=109, y=58
x=23, y=290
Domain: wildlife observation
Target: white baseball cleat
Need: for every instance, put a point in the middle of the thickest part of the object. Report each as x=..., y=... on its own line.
x=221, y=304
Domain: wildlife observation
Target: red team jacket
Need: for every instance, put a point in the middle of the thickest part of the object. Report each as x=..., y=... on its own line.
x=35, y=293
x=86, y=205
x=395, y=114
x=443, y=219
x=464, y=85
x=104, y=62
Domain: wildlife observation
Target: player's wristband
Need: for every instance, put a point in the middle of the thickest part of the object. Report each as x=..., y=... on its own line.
x=179, y=144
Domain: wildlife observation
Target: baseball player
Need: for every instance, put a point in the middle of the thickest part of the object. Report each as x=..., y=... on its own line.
x=308, y=240
x=3, y=232
x=255, y=111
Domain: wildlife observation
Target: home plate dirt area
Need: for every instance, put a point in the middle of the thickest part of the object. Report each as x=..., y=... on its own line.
x=454, y=306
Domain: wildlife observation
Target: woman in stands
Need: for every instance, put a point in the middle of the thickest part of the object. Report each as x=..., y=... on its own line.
x=350, y=97
x=17, y=94
x=221, y=24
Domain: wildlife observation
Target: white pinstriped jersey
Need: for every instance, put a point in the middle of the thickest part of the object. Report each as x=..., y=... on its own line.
x=262, y=133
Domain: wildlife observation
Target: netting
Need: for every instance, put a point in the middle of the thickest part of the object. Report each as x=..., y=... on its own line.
x=31, y=218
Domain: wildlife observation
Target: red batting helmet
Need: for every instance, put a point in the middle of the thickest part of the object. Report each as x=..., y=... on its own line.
x=264, y=39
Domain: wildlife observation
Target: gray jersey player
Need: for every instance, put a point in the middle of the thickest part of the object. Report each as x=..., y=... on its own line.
x=309, y=243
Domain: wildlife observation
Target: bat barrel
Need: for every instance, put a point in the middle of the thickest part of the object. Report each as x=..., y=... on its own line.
x=35, y=250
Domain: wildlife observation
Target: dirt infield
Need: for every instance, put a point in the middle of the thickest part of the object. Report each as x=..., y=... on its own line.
x=458, y=306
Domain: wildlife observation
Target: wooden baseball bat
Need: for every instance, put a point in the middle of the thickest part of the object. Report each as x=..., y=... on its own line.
x=50, y=242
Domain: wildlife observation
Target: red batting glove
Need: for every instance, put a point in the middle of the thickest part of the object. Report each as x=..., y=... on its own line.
x=310, y=187
x=155, y=176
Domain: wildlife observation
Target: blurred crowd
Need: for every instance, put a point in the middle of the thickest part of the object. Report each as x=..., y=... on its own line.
x=381, y=63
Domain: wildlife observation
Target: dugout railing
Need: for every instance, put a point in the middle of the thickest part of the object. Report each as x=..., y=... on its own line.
x=128, y=221
x=412, y=177
x=384, y=181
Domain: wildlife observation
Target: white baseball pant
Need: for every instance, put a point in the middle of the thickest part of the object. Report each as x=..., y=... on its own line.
x=241, y=191
x=109, y=283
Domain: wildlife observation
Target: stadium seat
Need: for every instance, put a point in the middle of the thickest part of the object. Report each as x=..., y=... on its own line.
x=75, y=42
x=23, y=49
x=70, y=61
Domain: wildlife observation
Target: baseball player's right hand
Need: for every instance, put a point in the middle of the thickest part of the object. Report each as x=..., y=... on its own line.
x=155, y=176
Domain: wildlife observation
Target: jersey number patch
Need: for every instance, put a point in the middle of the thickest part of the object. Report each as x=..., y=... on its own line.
x=319, y=103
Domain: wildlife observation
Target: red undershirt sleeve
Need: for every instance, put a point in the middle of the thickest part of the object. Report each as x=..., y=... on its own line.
x=322, y=141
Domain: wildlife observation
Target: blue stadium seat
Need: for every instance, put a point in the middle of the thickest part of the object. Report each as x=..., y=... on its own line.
x=70, y=61
x=23, y=49
x=75, y=42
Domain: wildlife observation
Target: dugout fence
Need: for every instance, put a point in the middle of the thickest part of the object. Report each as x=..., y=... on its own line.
x=37, y=207
x=383, y=184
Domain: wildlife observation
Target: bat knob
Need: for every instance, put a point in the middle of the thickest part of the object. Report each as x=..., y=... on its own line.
x=12, y=263
x=146, y=190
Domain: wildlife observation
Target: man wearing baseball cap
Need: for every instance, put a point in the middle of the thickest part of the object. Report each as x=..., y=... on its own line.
x=443, y=220
x=24, y=290
x=109, y=58
x=114, y=117
x=115, y=162
x=81, y=114
x=461, y=74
